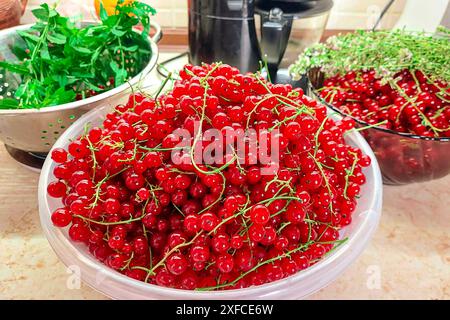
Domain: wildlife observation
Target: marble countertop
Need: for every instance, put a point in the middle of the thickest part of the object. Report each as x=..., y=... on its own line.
x=408, y=257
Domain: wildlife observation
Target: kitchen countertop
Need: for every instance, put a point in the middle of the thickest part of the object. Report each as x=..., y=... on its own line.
x=408, y=257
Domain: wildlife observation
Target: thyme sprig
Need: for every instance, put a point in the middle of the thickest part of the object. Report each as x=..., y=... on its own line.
x=386, y=52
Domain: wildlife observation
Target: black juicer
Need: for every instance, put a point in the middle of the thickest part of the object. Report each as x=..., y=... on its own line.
x=226, y=30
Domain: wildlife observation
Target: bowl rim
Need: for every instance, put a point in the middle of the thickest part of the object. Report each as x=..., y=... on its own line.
x=99, y=97
x=59, y=240
x=314, y=90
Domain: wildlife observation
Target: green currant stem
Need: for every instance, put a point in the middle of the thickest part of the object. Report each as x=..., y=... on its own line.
x=413, y=74
x=178, y=209
x=177, y=247
x=281, y=210
x=98, y=189
x=337, y=243
x=349, y=174
x=128, y=262
x=440, y=95
x=134, y=154
x=156, y=149
x=94, y=158
x=370, y=126
x=197, y=138
x=243, y=211
x=283, y=225
x=267, y=97
x=163, y=85
x=397, y=119
x=423, y=116
x=241, y=276
x=316, y=135
x=108, y=223
x=210, y=72
x=327, y=184
x=299, y=111
x=218, y=198
x=263, y=64
x=381, y=109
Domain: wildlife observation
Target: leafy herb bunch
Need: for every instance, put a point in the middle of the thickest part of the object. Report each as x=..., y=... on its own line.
x=386, y=52
x=60, y=62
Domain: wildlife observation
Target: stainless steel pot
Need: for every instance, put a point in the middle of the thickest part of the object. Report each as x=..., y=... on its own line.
x=35, y=130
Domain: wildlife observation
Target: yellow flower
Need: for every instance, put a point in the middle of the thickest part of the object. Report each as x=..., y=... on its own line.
x=109, y=5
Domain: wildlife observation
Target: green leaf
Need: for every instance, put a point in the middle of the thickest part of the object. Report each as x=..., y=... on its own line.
x=118, y=33
x=64, y=80
x=95, y=29
x=17, y=68
x=59, y=96
x=84, y=75
x=27, y=35
x=95, y=56
x=63, y=96
x=57, y=38
x=71, y=59
x=120, y=73
x=21, y=90
x=19, y=50
x=82, y=50
x=140, y=8
x=125, y=48
x=42, y=13
x=52, y=13
x=114, y=66
x=103, y=13
x=44, y=52
x=9, y=103
x=94, y=87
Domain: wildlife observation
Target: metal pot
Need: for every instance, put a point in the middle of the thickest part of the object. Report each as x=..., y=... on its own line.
x=35, y=130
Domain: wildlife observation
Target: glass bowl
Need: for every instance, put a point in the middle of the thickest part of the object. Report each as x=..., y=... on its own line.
x=117, y=286
x=403, y=158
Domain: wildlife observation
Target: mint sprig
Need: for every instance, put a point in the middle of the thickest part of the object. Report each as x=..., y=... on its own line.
x=58, y=61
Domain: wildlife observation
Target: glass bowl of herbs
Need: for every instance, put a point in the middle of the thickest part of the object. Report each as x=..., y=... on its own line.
x=55, y=70
x=396, y=86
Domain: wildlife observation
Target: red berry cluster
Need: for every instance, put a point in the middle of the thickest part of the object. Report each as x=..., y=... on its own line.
x=188, y=225
x=412, y=103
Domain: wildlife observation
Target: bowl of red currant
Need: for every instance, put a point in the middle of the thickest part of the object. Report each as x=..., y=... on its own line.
x=408, y=150
x=397, y=92
x=221, y=186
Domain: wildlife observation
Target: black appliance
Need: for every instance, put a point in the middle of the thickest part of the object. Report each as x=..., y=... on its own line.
x=225, y=30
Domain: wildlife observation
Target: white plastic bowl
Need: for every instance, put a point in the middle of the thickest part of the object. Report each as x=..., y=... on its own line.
x=118, y=286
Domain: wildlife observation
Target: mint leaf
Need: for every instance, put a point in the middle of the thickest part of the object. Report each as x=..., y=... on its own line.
x=62, y=96
x=27, y=35
x=9, y=103
x=103, y=13
x=16, y=68
x=20, y=91
x=130, y=48
x=57, y=38
x=59, y=59
x=120, y=73
x=82, y=50
x=118, y=33
x=52, y=13
x=42, y=13
x=44, y=52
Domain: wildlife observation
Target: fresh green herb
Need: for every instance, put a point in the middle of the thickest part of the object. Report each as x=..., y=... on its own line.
x=386, y=52
x=59, y=62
